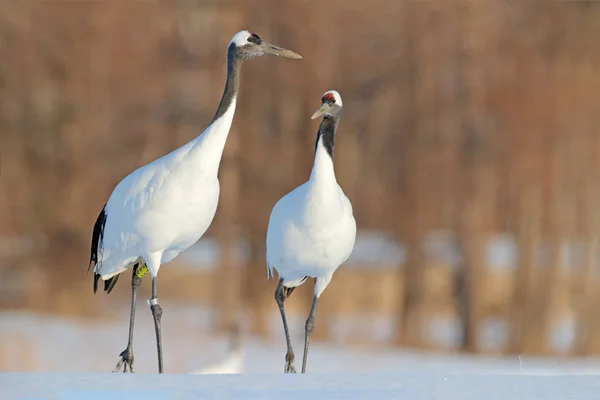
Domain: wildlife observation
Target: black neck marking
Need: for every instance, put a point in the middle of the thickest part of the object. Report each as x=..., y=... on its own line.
x=232, y=84
x=327, y=132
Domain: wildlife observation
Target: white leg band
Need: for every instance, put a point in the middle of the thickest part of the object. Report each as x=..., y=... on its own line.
x=153, y=302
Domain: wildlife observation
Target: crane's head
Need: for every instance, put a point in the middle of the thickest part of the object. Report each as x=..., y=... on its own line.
x=248, y=45
x=331, y=105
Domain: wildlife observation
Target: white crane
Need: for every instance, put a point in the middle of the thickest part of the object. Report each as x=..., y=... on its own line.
x=164, y=207
x=311, y=229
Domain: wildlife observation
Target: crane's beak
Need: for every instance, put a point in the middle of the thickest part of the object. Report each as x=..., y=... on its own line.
x=322, y=110
x=269, y=48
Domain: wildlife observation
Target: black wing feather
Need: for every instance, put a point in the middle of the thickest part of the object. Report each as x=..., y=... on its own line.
x=97, y=239
x=110, y=283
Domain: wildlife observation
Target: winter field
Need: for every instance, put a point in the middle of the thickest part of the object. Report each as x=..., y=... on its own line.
x=80, y=353
x=46, y=357
x=345, y=386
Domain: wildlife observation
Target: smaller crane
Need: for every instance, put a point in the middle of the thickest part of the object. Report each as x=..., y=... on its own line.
x=311, y=229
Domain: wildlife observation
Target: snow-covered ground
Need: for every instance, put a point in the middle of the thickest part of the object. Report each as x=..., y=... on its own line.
x=52, y=357
x=36, y=343
x=71, y=358
x=414, y=386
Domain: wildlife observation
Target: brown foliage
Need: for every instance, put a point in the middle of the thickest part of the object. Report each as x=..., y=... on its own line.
x=476, y=117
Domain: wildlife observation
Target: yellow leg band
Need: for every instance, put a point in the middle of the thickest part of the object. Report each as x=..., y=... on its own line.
x=141, y=271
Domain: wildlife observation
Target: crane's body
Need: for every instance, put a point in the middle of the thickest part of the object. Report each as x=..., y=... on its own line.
x=311, y=229
x=163, y=208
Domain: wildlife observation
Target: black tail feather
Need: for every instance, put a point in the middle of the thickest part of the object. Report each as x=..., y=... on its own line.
x=110, y=283
x=287, y=291
x=97, y=237
x=96, y=277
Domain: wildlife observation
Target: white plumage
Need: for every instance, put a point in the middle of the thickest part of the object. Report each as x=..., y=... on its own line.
x=312, y=229
x=163, y=208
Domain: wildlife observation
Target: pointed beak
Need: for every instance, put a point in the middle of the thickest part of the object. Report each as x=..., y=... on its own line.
x=269, y=48
x=320, y=111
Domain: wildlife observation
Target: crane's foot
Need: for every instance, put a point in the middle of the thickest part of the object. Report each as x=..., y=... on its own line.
x=289, y=363
x=126, y=360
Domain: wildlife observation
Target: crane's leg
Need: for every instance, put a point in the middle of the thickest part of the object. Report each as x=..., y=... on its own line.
x=157, y=314
x=127, y=354
x=309, y=328
x=282, y=293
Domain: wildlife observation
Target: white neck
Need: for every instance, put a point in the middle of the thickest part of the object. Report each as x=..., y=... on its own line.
x=207, y=150
x=322, y=178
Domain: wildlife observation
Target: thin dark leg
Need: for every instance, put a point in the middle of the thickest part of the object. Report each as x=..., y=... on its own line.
x=281, y=294
x=157, y=314
x=310, y=327
x=127, y=354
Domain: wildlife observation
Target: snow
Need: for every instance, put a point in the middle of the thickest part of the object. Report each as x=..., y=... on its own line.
x=71, y=358
x=82, y=386
x=61, y=344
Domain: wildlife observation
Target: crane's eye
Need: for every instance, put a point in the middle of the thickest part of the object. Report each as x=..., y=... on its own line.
x=254, y=38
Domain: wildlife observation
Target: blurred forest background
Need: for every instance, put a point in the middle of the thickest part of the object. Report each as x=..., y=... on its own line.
x=469, y=147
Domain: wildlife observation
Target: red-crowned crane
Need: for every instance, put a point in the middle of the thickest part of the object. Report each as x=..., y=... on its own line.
x=312, y=229
x=164, y=207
